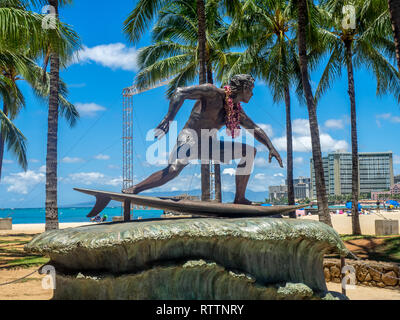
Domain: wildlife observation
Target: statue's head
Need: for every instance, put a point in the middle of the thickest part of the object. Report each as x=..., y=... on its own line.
x=242, y=86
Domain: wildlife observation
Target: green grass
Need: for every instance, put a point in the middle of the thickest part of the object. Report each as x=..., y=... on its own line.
x=27, y=262
x=12, y=254
x=388, y=251
x=391, y=249
x=349, y=237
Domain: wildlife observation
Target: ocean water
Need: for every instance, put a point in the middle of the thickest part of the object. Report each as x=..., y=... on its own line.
x=68, y=215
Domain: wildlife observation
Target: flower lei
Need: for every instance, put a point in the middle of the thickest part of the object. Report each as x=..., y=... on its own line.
x=233, y=112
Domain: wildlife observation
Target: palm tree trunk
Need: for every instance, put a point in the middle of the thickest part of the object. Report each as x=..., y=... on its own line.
x=217, y=166
x=324, y=215
x=289, y=145
x=205, y=168
x=394, y=9
x=51, y=158
x=201, y=14
x=2, y=143
x=354, y=140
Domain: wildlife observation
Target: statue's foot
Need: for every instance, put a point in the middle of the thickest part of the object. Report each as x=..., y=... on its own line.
x=243, y=201
x=131, y=190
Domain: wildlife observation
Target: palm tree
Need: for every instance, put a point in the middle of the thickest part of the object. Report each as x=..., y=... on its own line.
x=143, y=13
x=366, y=46
x=19, y=29
x=20, y=43
x=58, y=53
x=265, y=28
x=394, y=8
x=303, y=12
x=9, y=133
x=175, y=54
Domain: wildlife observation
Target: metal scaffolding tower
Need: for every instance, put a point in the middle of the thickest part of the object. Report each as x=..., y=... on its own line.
x=127, y=131
x=127, y=139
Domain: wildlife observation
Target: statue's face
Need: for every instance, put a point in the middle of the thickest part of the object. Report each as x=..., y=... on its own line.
x=247, y=94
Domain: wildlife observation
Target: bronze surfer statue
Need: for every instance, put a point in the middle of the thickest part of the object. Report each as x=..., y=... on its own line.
x=214, y=109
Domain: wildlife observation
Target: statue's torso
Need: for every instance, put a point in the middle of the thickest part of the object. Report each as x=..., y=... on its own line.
x=210, y=116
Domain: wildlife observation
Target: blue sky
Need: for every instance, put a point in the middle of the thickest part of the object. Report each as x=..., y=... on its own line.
x=90, y=154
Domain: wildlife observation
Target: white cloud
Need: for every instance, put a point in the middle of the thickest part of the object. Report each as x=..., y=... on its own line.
x=34, y=161
x=383, y=116
x=334, y=124
x=90, y=178
x=279, y=175
x=42, y=169
x=114, y=56
x=260, y=162
x=260, y=176
x=301, y=127
x=88, y=109
x=183, y=183
x=5, y=161
x=72, y=160
x=298, y=160
x=302, y=139
x=229, y=171
x=267, y=128
x=22, y=182
x=396, y=159
x=387, y=116
x=102, y=157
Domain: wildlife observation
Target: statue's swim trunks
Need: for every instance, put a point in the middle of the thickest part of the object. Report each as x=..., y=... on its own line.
x=191, y=147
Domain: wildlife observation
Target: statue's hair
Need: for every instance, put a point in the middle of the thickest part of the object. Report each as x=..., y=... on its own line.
x=241, y=81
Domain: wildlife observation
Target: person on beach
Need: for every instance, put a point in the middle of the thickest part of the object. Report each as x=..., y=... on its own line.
x=214, y=108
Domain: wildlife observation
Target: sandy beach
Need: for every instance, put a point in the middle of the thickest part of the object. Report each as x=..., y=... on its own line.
x=38, y=227
x=342, y=223
x=31, y=288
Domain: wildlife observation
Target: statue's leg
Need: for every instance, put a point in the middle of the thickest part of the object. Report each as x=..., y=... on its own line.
x=246, y=154
x=161, y=177
x=157, y=179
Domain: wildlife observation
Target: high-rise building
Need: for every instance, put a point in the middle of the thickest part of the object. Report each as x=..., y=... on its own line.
x=301, y=187
x=375, y=173
x=277, y=192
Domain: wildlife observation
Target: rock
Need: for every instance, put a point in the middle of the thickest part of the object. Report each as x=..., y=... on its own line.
x=375, y=273
x=266, y=251
x=335, y=272
x=380, y=285
x=388, y=278
x=368, y=277
x=327, y=274
x=294, y=291
x=361, y=274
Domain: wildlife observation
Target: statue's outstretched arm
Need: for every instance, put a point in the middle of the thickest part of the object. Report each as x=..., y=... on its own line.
x=177, y=100
x=260, y=136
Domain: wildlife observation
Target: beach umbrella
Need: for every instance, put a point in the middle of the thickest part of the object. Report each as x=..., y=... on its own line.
x=393, y=203
x=349, y=205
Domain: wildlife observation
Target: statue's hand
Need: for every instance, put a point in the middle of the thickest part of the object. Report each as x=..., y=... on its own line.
x=162, y=129
x=274, y=154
